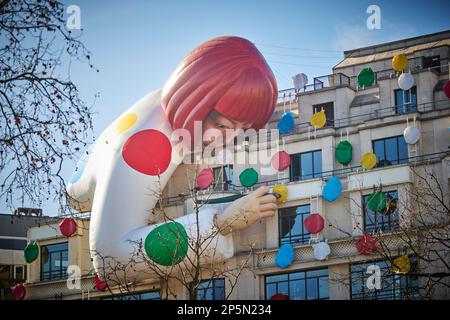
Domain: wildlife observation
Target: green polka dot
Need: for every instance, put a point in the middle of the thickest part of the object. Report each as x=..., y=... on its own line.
x=31, y=252
x=167, y=244
x=344, y=152
x=377, y=201
x=366, y=78
x=248, y=177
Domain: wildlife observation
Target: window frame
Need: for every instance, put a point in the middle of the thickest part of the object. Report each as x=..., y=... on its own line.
x=392, y=277
x=212, y=288
x=303, y=276
x=298, y=157
x=223, y=185
x=431, y=58
x=394, y=162
x=392, y=224
x=62, y=274
x=405, y=106
x=304, y=236
x=133, y=296
x=327, y=106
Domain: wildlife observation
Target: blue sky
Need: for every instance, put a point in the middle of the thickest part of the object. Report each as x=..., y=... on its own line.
x=137, y=44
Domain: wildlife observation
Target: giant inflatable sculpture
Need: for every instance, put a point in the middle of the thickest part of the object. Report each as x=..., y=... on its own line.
x=224, y=79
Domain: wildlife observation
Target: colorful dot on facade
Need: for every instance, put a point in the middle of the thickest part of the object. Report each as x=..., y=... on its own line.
x=125, y=123
x=281, y=160
x=148, y=151
x=167, y=244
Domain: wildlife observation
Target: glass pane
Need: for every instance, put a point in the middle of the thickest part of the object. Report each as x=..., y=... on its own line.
x=205, y=284
x=19, y=272
x=317, y=273
x=378, y=149
x=297, y=227
x=65, y=259
x=302, y=209
x=306, y=165
x=271, y=289
x=219, y=293
x=402, y=150
x=398, y=98
x=323, y=287
x=287, y=220
x=297, y=290
x=295, y=167
x=152, y=295
x=311, y=289
x=317, y=164
x=57, y=247
x=283, y=288
x=413, y=105
x=297, y=275
x=391, y=150
x=277, y=278
x=208, y=294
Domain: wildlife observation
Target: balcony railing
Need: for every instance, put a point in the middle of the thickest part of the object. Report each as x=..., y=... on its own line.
x=375, y=114
x=340, y=173
x=341, y=79
x=326, y=81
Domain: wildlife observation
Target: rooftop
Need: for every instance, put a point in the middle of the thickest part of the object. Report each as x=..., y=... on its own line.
x=388, y=50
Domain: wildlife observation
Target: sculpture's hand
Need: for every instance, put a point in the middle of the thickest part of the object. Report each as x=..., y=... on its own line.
x=246, y=211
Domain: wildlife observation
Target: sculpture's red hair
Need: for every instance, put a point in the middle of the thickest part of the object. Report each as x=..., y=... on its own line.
x=226, y=74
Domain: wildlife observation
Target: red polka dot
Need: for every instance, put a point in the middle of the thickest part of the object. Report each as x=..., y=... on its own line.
x=148, y=151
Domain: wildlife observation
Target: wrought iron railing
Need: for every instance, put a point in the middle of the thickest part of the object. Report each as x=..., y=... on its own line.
x=341, y=79
x=339, y=172
x=375, y=114
x=326, y=81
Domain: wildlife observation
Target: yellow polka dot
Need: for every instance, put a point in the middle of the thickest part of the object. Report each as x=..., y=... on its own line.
x=281, y=190
x=318, y=119
x=368, y=160
x=125, y=123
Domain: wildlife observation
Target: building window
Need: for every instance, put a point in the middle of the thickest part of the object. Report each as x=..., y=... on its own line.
x=433, y=62
x=54, y=261
x=306, y=165
x=5, y=272
x=405, y=101
x=304, y=285
x=387, y=220
x=290, y=225
x=148, y=295
x=390, y=151
x=329, y=112
x=223, y=178
x=393, y=286
x=19, y=273
x=213, y=289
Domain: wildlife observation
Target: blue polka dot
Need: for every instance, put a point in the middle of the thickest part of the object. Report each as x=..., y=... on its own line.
x=81, y=165
x=285, y=256
x=286, y=123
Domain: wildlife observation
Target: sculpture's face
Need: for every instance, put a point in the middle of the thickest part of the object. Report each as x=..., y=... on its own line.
x=228, y=127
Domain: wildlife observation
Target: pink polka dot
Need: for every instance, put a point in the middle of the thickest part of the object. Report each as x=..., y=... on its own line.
x=205, y=178
x=148, y=151
x=281, y=160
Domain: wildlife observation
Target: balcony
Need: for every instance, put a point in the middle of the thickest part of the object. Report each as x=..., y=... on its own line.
x=339, y=79
x=357, y=178
x=342, y=251
x=305, y=127
x=326, y=81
